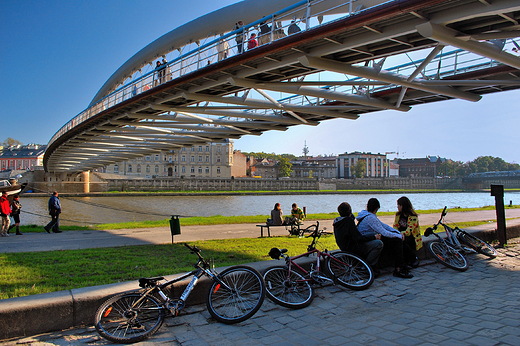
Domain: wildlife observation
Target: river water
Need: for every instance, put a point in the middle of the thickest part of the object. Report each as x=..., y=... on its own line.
x=92, y=210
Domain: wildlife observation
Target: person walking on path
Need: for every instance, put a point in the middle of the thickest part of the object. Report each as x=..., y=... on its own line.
x=54, y=212
x=15, y=213
x=5, y=210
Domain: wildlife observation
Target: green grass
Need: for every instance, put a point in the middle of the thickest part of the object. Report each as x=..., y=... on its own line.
x=221, y=220
x=23, y=274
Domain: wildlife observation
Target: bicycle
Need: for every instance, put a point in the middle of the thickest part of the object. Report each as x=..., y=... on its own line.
x=448, y=250
x=235, y=295
x=300, y=232
x=292, y=286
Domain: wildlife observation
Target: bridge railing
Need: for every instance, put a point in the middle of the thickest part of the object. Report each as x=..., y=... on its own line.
x=217, y=49
x=453, y=62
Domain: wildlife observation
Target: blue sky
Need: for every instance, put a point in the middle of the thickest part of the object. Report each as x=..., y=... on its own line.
x=55, y=55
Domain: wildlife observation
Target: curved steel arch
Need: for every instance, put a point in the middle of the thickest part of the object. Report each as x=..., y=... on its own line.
x=197, y=107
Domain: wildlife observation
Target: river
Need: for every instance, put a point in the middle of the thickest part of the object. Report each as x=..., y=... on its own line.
x=92, y=210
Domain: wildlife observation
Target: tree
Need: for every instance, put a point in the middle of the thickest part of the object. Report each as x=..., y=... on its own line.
x=360, y=169
x=10, y=141
x=284, y=167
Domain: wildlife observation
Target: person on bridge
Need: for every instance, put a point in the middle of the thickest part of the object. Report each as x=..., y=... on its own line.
x=5, y=210
x=15, y=213
x=394, y=246
x=239, y=38
x=293, y=28
x=222, y=48
x=265, y=34
x=349, y=239
x=407, y=222
x=276, y=216
x=54, y=212
x=252, y=42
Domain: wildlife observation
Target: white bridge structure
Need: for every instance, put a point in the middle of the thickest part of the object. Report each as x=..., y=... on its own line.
x=350, y=58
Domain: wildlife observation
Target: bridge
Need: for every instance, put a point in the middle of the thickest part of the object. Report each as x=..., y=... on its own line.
x=326, y=59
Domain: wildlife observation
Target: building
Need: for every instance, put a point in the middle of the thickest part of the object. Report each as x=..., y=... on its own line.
x=323, y=167
x=420, y=167
x=208, y=160
x=21, y=157
x=265, y=169
x=376, y=165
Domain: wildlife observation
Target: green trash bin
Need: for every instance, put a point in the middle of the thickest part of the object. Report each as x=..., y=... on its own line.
x=175, y=226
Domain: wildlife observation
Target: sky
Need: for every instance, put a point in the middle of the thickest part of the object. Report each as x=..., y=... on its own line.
x=55, y=56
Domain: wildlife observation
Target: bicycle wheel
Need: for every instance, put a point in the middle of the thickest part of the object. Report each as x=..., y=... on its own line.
x=128, y=318
x=288, y=289
x=478, y=244
x=242, y=300
x=448, y=256
x=350, y=271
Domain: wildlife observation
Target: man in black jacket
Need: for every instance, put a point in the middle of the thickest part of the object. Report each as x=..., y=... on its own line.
x=350, y=240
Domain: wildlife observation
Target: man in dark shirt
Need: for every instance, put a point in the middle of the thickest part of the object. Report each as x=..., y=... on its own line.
x=54, y=212
x=350, y=240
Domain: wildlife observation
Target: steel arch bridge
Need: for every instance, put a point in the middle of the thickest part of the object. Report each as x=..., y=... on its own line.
x=376, y=55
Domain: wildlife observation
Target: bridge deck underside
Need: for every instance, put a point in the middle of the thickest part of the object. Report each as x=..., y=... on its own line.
x=362, y=39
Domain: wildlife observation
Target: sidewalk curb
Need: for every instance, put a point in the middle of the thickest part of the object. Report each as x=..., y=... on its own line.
x=31, y=315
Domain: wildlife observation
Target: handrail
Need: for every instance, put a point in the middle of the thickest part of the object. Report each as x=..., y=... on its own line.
x=152, y=78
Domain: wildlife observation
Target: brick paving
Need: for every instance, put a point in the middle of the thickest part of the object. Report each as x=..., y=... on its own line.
x=439, y=306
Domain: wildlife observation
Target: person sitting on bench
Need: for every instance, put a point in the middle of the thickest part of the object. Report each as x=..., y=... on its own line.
x=276, y=216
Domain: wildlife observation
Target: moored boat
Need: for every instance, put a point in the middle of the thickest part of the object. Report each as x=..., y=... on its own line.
x=11, y=188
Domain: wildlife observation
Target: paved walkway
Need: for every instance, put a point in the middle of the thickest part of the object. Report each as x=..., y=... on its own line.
x=141, y=236
x=439, y=306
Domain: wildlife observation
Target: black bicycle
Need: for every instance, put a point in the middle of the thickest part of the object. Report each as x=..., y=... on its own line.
x=235, y=295
x=450, y=250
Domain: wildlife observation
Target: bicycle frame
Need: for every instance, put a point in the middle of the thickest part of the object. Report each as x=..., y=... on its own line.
x=176, y=304
x=451, y=235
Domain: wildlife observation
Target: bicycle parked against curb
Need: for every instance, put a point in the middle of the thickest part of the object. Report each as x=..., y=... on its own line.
x=292, y=286
x=449, y=251
x=235, y=295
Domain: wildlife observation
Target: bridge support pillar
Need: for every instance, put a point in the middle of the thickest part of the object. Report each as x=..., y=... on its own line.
x=85, y=178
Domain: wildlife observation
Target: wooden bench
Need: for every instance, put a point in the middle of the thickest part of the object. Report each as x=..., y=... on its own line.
x=269, y=226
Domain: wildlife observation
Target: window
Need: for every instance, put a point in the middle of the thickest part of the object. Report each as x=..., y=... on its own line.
x=138, y=168
x=192, y=170
x=183, y=158
x=207, y=169
x=147, y=158
x=156, y=169
x=200, y=158
x=183, y=170
x=207, y=147
x=156, y=157
x=192, y=158
x=192, y=148
x=218, y=158
x=116, y=169
x=129, y=168
x=218, y=170
x=200, y=147
x=218, y=149
x=183, y=148
x=200, y=169
x=147, y=168
x=170, y=158
x=207, y=158
x=175, y=169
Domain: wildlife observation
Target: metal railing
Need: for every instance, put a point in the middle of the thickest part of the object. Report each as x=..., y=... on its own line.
x=217, y=49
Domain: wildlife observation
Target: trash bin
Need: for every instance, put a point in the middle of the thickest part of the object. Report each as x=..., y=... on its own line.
x=175, y=226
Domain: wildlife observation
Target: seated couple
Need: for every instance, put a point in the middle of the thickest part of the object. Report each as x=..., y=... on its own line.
x=277, y=219
x=372, y=238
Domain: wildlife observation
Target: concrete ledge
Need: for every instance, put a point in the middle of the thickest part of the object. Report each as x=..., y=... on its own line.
x=48, y=312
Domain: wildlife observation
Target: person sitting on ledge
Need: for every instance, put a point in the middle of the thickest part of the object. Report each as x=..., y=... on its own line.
x=349, y=239
x=369, y=224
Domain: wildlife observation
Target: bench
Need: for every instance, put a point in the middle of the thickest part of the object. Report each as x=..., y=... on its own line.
x=269, y=226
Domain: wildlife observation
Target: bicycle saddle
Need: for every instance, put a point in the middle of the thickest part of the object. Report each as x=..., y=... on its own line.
x=149, y=282
x=275, y=253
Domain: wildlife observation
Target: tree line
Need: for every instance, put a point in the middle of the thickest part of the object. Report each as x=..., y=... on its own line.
x=481, y=164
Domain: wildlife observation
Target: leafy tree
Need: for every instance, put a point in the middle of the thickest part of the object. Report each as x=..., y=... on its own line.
x=10, y=141
x=284, y=167
x=360, y=169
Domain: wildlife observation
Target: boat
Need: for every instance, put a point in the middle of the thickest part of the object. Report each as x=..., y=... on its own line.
x=11, y=187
